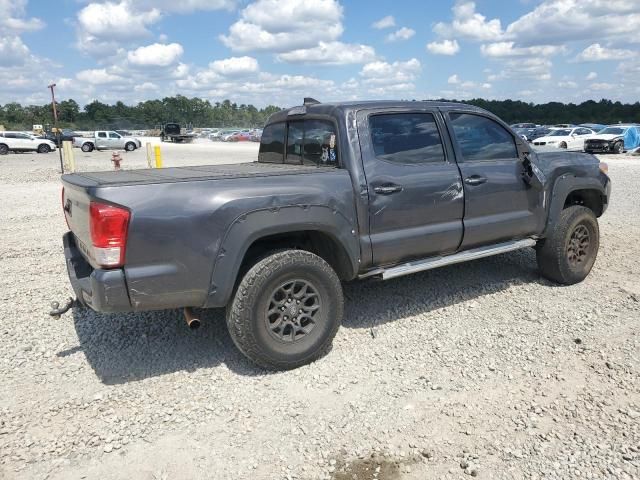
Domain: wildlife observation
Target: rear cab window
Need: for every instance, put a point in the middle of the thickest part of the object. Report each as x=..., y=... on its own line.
x=300, y=142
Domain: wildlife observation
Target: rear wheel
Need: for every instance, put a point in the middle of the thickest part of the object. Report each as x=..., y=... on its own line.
x=286, y=310
x=44, y=148
x=130, y=147
x=618, y=147
x=3, y=149
x=563, y=145
x=87, y=147
x=567, y=255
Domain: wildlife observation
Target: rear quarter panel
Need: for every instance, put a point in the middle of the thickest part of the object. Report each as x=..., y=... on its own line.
x=180, y=232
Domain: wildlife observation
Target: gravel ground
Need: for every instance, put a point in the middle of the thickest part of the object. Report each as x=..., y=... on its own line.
x=482, y=369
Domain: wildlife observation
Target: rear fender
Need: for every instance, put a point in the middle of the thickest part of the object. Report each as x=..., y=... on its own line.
x=257, y=224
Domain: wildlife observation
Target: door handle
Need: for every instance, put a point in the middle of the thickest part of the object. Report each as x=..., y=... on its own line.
x=387, y=189
x=475, y=180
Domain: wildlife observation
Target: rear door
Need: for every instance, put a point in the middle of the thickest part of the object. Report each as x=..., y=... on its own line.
x=414, y=185
x=498, y=204
x=102, y=140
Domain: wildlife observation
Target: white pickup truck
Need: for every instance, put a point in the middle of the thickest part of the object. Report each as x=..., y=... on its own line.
x=106, y=139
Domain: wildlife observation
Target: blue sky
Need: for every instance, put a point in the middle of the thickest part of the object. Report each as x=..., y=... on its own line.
x=277, y=51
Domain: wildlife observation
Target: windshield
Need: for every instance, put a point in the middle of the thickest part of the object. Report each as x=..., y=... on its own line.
x=560, y=133
x=612, y=131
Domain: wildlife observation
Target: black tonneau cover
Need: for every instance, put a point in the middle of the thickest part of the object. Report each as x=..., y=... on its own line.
x=186, y=174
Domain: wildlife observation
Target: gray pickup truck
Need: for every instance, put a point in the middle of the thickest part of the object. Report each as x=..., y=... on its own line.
x=340, y=191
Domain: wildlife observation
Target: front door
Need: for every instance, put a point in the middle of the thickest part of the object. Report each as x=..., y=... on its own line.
x=414, y=185
x=499, y=205
x=115, y=140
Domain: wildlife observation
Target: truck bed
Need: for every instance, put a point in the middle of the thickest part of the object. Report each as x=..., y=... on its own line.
x=186, y=174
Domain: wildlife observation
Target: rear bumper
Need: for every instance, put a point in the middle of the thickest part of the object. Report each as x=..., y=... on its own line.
x=101, y=290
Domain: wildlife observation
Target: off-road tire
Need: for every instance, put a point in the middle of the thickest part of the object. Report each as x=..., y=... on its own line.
x=247, y=313
x=618, y=147
x=44, y=148
x=553, y=253
x=87, y=147
x=4, y=149
x=130, y=146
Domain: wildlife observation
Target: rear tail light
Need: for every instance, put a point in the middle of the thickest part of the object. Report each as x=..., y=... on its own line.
x=109, y=226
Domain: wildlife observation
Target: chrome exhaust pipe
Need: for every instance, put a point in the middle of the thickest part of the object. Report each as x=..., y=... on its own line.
x=192, y=321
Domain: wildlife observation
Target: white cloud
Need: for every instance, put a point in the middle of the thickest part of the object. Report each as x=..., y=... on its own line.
x=508, y=49
x=453, y=79
x=156, y=55
x=12, y=18
x=98, y=76
x=560, y=21
x=602, y=86
x=385, y=22
x=113, y=21
x=285, y=25
x=13, y=52
x=532, y=68
x=596, y=53
x=567, y=84
x=330, y=53
x=235, y=66
x=445, y=47
x=470, y=24
x=403, y=33
x=591, y=76
x=185, y=6
x=384, y=73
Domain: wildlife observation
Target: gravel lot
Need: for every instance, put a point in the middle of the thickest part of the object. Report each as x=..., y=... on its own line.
x=482, y=369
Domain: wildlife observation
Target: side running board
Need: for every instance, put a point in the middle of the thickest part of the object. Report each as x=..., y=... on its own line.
x=435, y=262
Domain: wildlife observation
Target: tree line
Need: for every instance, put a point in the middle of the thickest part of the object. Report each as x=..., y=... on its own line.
x=197, y=112
x=96, y=115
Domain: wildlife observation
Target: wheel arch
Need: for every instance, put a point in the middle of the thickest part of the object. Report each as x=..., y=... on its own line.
x=330, y=235
x=569, y=190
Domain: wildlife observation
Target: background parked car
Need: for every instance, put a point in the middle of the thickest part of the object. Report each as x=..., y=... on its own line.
x=567, y=138
x=23, y=142
x=614, y=139
x=65, y=136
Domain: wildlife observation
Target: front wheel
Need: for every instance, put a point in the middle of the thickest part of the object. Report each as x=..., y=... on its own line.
x=618, y=147
x=563, y=145
x=3, y=149
x=44, y=148
x=286, y=310
x=567, y=255
x=130, y=147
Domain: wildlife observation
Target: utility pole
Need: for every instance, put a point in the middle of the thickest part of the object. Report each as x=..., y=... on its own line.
x=55, y=124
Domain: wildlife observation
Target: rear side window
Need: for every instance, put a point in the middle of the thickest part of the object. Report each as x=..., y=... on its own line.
x=102, y=134
x=319, y=143
x=295, y=140
x=481, y=138
x=272, y=143
x=408, y=138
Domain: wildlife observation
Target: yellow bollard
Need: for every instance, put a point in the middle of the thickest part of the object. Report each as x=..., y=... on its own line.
x=69, y=157
x=149, y=155
x=158, y=156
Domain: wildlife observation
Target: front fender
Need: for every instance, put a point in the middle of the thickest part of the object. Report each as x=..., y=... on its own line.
x=257, y=224
x=567, y=183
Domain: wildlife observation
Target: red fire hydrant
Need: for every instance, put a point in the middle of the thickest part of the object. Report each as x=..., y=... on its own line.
x=116, y=159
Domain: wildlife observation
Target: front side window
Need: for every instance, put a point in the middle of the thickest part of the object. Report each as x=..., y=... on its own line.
x=481, y=138
x=408, y=138
x=272, y=143
x=113, y=135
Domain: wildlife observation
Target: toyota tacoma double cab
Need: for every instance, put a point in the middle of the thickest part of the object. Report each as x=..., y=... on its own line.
x=339, y=192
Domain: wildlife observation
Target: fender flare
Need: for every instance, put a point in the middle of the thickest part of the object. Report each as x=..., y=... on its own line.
x=562, y=187
x=260, y=223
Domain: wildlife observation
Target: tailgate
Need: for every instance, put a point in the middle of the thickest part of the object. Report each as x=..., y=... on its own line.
x=75, y=203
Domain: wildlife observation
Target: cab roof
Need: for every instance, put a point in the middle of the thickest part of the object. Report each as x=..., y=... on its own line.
x=313, y=107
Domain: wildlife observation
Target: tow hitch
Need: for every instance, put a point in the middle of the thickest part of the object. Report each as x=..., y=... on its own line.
x=57, y=311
